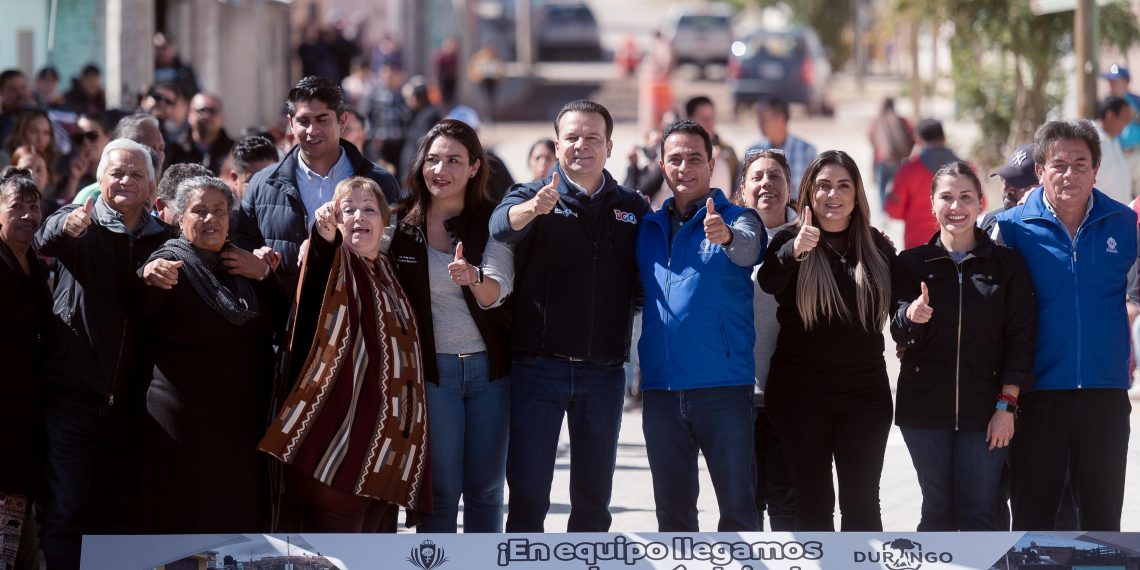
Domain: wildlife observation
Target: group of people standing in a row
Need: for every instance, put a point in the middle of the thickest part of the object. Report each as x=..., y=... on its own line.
x=437, y=340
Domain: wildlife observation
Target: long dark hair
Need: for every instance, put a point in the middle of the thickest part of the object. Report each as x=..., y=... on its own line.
x=817, y=295
x=474, y=195
x=16, y=139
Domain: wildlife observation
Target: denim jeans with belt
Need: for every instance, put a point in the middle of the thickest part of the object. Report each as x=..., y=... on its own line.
x=543, y=390
x=717, y=422
x=467, y=423
x=960, y=478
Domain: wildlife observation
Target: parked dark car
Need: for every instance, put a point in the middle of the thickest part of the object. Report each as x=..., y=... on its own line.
x=567, y=30
x=789, y=63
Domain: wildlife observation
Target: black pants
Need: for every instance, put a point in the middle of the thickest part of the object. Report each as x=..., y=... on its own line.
x=819, y=417
x=1083, y=432
x=774, y=491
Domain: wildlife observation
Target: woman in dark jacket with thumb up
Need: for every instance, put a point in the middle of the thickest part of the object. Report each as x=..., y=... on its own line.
x=966, y=320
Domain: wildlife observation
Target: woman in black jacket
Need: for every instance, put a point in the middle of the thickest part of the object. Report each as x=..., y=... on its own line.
x=966, y=319
x=457, y=279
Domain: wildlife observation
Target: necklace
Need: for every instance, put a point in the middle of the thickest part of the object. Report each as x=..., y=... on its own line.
x=842, y=256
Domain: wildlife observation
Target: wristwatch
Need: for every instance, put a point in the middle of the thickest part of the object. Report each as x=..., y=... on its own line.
x=479, y=272
x=1008, y=407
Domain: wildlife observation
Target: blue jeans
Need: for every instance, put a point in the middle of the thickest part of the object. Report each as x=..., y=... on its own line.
x=885, y=174
x=717, y=422
x=467, y=422
x=87, y=474
x=543, y=389
x=960, y=478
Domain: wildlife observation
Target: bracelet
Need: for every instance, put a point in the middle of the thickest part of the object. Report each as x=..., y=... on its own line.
x=802, y=256
x=1008, y=398
x=479, y=272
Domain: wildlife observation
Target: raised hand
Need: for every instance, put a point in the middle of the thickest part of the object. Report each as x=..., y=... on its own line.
x=547, y=197
x=161, y=273
x=328, y=218
x=808, y=238
x=462, y=273
x=715, y=229
x=919, y=311
x=79, y=219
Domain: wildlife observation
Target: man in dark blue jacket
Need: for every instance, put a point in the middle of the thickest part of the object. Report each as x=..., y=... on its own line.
x=278, y=207
x=695, y=257
x=1079, y=245
x=574, y=235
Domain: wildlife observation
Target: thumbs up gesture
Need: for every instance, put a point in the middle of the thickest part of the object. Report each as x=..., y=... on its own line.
x=462, y=273
x=715, y=229
x=547, y=197
x=808, y=238
x=919, y=311
x=79, y=219
x=161, y=273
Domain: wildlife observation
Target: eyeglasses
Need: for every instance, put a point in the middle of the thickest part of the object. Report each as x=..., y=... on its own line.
x=206, y=111
x=757, y=151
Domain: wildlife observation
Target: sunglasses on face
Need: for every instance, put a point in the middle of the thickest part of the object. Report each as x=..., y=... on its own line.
x=81, y=137
x=159, y=99
x=206, y=111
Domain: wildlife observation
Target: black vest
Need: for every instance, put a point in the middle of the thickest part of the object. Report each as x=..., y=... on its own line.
x=409, y=252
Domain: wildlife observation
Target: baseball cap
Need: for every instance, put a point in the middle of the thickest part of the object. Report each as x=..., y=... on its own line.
x=1018, y=171
x=1116, y=72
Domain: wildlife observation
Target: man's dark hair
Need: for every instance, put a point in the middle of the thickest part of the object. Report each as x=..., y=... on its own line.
x=90, y=69
x=251, y=150
x=1111, y=104
x=46, y=72
x=8, y=75
x=315, y=88
x=168, y=186
x=778, y=106
x=930, y=131
x=1055, y=131
x=695, y=103
x=586, y=106
x=686, y=126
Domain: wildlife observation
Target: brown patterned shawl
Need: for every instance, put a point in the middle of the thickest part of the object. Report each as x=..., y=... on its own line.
x=356, y=417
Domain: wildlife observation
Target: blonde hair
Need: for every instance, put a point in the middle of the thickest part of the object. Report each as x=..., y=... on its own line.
x=346, y=186
x=817, y=295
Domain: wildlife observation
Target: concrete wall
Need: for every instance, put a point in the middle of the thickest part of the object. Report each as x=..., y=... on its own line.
x=23, y=34
x=239, y=50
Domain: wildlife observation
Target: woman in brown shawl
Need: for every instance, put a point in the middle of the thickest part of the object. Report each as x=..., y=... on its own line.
x=353, y=428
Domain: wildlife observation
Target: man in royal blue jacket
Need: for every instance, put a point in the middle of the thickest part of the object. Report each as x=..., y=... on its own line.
x=695, y=258
x=575, y=280
x=1079, y=245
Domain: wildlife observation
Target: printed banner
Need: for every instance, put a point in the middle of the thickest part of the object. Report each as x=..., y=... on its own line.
x=605, y=551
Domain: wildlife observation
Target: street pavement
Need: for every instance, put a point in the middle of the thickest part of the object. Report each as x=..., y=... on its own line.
x=632, y=504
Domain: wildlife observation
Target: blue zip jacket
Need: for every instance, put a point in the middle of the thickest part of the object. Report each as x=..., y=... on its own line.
x=1082, y=326
x=697, y=329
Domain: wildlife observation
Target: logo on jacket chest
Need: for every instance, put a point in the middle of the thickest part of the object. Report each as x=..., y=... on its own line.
x=406, y=259
x=1111, y=245
x=626, y=217
x=564, y=212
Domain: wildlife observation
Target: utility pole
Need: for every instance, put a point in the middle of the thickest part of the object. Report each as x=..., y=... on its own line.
x=524, y=42
x=1084, y=36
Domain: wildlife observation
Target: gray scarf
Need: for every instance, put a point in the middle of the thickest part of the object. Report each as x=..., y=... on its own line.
x=235, y=300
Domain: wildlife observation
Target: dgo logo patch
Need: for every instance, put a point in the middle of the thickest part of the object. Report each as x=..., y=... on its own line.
x=626, y=217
